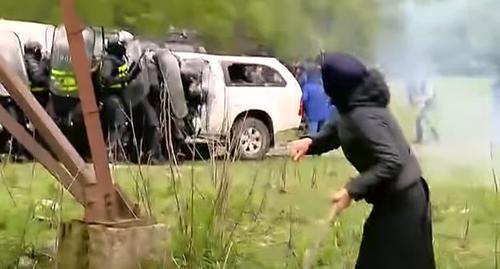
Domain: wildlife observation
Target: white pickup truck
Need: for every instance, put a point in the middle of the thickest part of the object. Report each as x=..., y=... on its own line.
x=249, y=99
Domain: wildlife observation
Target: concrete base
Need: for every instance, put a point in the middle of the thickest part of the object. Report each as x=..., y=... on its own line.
x=89, y=246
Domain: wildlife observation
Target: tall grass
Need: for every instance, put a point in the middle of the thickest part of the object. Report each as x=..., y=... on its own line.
x=224, y=213
x=207, y=224
x=496, y=188
x=257, y=226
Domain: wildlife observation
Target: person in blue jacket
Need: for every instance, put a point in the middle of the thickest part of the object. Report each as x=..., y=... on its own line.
x=317, y=106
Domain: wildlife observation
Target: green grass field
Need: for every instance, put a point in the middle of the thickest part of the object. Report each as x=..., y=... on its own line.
x=265, y=214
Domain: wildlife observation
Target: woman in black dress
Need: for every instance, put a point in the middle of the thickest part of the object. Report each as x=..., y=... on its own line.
x=398, y=232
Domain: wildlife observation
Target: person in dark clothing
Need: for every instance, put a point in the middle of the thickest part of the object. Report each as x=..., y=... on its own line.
x=398, y=232
x=38, y=71
x=152, y=133
x=114, y=79
x=38, y=75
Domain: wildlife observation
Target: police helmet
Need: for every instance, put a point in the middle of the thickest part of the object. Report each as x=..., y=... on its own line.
x=115, y=45
x=33, y=47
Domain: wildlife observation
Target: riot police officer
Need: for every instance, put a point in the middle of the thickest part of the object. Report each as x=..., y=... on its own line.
x=114, y=79
x=38, y=75
x=38, y=71
x=37, y=68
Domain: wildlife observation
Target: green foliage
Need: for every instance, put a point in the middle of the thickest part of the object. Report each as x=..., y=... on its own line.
x=290, y=28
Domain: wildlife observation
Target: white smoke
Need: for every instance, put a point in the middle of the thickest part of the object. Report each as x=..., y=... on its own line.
x=447, y=36
x=457, y=43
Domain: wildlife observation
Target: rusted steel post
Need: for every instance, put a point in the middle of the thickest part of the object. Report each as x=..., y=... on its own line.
x=42, y=155
x=63, y=150
x=81, y=67
x=48, y=130
x=45, y=126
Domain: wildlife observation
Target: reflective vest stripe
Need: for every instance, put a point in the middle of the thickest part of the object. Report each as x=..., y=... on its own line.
x=123, y=71
x=122, y=74
x=116, y=86
x=59, y=72
x=38, y=89
x=64, y=80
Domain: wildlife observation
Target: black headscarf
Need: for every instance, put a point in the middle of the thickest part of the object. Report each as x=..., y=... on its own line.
x=350, y=84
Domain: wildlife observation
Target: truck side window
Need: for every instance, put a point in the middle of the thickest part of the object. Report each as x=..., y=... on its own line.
x=253, y=75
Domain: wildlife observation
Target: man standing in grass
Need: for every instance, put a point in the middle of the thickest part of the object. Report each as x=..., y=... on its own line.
x=398, y=232
x=422, y=97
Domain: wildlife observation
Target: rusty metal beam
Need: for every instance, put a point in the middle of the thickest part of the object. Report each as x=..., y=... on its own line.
x=42, y=155
x=51, y=134
x=81, y=66
x=63, y=150
x=48, y=130
x=102, y=200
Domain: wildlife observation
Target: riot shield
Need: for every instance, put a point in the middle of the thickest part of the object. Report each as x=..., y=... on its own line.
x=138, y=88
x=134, y=51
x=152, y=66
x=12, y=52
x=99, y=40
x=171, y=74
x=49, y=39
x=62, y=79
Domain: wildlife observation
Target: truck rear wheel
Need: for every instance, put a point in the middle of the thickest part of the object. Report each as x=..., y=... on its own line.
x=251, y=139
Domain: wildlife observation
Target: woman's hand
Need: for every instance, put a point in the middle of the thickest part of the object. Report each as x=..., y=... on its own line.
x=298, y=149
x=341, y=200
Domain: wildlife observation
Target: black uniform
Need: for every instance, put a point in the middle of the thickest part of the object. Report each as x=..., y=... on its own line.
x=38, y=74
x=114, y=79
x=151, y=133
x=398, y=232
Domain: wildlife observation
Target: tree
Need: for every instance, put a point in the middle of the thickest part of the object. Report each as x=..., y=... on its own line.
x=291, y=28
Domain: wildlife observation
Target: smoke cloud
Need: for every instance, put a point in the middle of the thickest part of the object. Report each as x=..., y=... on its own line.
x=447, y=36
x=456, y=44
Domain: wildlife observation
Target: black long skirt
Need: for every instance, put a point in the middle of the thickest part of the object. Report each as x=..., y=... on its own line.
x=398, y=232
